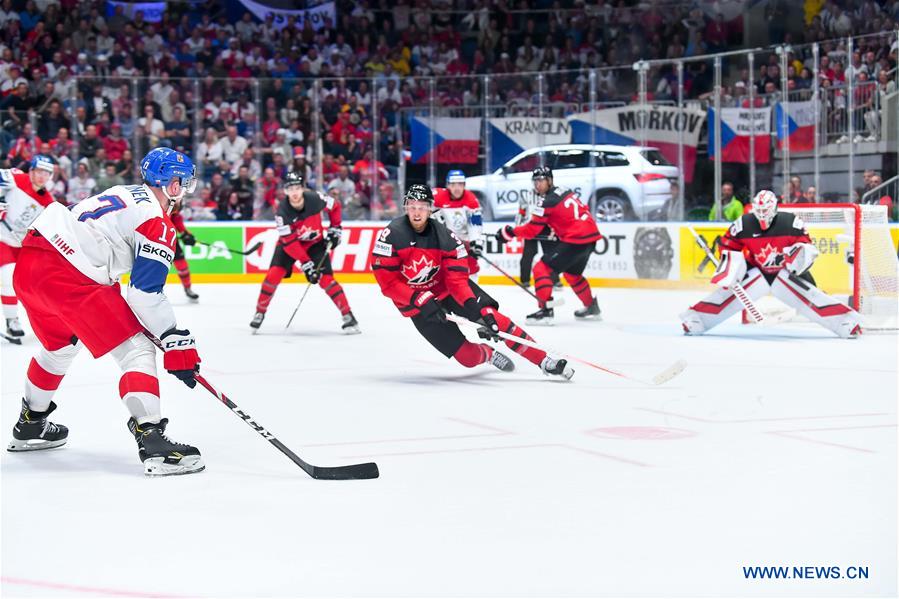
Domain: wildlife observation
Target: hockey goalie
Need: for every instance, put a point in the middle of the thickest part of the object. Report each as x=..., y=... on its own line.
x=767, y=251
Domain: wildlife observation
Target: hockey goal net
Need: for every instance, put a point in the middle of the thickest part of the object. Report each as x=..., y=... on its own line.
x=858, y=260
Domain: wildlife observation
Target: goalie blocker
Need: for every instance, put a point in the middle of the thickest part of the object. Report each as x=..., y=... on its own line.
x=769, y=253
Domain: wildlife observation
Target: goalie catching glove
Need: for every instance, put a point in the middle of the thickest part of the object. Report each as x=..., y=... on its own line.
x=731, y=269
x=800, y=257
x=180, y=358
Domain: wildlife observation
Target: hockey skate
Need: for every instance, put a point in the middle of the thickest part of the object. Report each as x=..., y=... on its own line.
x=33, y=431
x=191, y=295
x=558, y=367
x=591, y=312
x=350, y=325
x=501, y=361
x=13, y=328
x=160, y=455
x=257, y=321
x=542, y=316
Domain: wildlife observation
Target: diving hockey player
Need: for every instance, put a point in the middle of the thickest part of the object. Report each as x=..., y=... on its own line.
x=460, y=211
x=66, y=278
x=423, y=268
x=23, y=196
x=302, y=239
x=570, y=221
x=769, y=252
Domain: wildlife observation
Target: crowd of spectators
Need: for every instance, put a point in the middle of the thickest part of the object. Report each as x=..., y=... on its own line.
x=96, y=90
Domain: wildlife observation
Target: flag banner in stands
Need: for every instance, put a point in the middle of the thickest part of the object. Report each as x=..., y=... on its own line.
x=152, y=10
x=510, y=136
x=796, y=123
x=455, y=140
x=736, y=129
x=318, y=15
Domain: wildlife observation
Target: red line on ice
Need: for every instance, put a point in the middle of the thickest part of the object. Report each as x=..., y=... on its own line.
x=81, y=589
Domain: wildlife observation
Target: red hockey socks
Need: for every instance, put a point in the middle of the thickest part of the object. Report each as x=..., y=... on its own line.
x=335, y=292
x=269, y=285
x=543, y=283
x=532, y=355
x=581, y=288
x=472, y=354
x=183, y=271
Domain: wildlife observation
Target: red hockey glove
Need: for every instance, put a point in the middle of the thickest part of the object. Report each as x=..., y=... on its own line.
x=507, y=233
x=181, y=358
x=427, y=305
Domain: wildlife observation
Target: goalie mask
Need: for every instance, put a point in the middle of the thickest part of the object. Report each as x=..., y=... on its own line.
x=764, y=207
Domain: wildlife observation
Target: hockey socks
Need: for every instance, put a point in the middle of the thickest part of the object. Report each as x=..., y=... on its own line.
x=543, y=283
x=183, y=272
x=581, y=288
x=272, y=279
x=335, y=292
x=531, y=354
x=471, y=354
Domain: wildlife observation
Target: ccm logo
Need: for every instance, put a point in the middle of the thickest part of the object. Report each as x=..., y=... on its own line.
x=179, y=343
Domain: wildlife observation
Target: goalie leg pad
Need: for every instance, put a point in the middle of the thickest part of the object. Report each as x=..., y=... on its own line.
x=816, y=305
x=721, y=304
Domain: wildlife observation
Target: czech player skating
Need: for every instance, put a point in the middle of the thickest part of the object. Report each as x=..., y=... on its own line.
x=66, y=278
x=769, y=252
x=577, y=232
x=23, y=196
x=302, y=239
x=460, y=211
x=423, y=268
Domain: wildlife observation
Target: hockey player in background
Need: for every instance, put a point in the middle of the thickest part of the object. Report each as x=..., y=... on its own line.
x=530, y=247
x=23, y=196
x=302, y=238
x=460, y=211
x=570, y=221
x=423, y=268
x=66, y=278
x=180, y=262
x=769, y=252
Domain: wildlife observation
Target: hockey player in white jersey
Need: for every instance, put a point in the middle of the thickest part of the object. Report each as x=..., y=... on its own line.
x=460, y=211
x=67, y=279
x=22, y=197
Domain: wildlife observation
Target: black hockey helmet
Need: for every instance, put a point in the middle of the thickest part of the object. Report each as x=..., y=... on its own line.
x=294, y=178
x=418, y=192
x=542, y=172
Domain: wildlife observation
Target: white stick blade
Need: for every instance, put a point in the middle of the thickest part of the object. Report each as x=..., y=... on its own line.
x=669, y=373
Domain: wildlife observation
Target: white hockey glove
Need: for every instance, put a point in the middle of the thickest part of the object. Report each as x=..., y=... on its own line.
x=731, y=269
x=800, y=257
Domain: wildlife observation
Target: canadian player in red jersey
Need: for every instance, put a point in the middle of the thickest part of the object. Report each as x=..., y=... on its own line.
x=180, y=262
x=572, y=223
x=23, y=196
x=423, y=267
x=769, y=252
x=67, y=279
x=302, y=239
x=460, y=211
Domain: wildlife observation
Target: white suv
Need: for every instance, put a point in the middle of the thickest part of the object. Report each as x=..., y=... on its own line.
x=626, y=182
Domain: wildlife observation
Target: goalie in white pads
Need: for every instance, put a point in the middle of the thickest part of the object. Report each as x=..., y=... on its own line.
x=769, y=252
x=67, y=280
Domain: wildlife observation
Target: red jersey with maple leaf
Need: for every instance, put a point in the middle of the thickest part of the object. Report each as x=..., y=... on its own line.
x=565, y=214
x=406, y=263
x=299, y=229
x=765, y=248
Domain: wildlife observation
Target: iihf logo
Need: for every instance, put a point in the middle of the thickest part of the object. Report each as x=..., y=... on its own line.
x=420, y=271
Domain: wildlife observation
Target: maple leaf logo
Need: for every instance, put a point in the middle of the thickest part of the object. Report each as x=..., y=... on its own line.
x=420, y=271
x=768, y=256
x=307, y=233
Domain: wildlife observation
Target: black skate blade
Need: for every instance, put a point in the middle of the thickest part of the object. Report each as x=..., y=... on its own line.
x=11, y=339
x=354, y=472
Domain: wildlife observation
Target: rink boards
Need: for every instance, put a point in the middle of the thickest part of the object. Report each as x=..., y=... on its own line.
x=645, y=255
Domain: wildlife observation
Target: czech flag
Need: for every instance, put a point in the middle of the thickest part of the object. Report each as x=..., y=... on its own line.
x=737, y=127
x=455, y=140
x=797, y=125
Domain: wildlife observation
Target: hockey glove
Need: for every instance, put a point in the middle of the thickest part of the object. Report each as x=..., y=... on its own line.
x=427, y=305
x=181, y=358
x=335, y=234
x=507, y=233
x=312, y=275
x=187, y=238
x=476, y=249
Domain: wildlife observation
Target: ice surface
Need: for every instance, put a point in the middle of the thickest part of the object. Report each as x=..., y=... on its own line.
x=776, y=446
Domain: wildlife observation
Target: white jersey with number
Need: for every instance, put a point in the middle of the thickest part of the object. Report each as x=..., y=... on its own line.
x=121, y=230
x=23, y=205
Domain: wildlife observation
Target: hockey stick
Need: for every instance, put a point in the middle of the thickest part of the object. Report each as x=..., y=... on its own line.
x=351, y=472
x=662, y=377
x=737, y=289
x=318, y=268
x=550, y=304
x=255, y=247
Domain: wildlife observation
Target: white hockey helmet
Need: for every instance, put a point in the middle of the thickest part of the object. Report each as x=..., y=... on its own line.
x=764, y=207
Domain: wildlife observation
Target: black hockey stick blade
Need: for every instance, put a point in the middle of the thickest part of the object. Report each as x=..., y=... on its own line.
x=255, y=247
x=354, y=472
